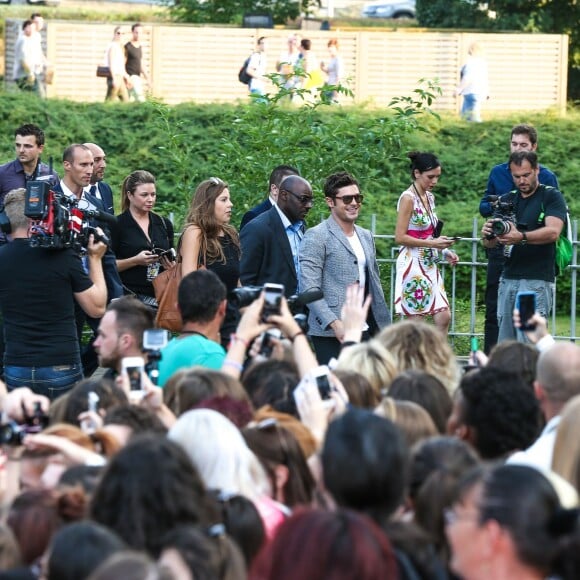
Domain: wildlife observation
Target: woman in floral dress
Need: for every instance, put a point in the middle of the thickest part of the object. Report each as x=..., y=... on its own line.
x=419, y=287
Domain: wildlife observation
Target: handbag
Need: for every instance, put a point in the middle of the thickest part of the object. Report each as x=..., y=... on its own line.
x=166, y=287
x=103, y=71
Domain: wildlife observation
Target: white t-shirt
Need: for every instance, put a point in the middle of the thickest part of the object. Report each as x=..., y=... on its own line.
x=361, y=260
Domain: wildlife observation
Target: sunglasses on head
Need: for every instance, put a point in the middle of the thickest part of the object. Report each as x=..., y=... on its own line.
x=347, y=199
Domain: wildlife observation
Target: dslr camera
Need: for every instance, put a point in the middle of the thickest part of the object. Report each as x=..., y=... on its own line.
x=504, y=212
x=12, y=433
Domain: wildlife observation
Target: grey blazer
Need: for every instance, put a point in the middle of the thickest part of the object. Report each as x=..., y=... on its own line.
x=328, y=263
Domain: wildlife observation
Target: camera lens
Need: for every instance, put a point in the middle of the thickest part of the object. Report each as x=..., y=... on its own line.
x=501, y=227
x=11, y=434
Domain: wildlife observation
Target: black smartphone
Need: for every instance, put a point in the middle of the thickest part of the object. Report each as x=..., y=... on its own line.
x=322, y=382
x=526, y=304
x=272, y=300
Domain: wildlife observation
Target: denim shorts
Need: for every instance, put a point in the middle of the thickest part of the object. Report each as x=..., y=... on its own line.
x=48, y=381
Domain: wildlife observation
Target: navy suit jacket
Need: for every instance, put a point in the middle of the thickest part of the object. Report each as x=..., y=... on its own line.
x=266, y=253
x=255, y=212
x=106, y=197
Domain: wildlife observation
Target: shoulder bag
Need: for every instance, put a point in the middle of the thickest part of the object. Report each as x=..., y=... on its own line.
x=166, y=287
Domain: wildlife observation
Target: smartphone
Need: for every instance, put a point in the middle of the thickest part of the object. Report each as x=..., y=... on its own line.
x=272, y=300
x=88, y=425
x=267, y=344
x=134, y=366
x=321, y=376
x=169, y=254
x=526, y=304
x=155, y=338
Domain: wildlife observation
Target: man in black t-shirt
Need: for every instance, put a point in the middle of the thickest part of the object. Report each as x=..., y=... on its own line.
x=38, y=290
x=134, y=64
x=530, y=243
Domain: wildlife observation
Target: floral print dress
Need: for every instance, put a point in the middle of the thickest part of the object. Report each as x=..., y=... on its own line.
x=419, y=287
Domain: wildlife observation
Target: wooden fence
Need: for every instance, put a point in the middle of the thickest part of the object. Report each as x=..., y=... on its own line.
x=528, y=72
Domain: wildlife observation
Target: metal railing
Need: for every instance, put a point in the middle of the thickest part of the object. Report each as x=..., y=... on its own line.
x=478, y=269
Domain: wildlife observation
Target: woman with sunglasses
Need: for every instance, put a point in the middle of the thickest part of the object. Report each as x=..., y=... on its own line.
x=419, y=287
x=209, y=241
x=142, y=240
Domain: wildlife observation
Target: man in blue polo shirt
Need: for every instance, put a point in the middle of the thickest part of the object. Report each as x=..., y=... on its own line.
x=523, y=138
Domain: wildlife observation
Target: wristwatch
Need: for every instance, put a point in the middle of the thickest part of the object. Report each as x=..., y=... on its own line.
x=524, y=239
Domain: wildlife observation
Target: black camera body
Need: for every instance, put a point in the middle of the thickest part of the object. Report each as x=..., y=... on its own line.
x=504, y=212
x=57, y=221
x=12, y=433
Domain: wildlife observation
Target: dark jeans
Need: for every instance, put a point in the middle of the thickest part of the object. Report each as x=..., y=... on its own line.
x=49, y=381
x=496, y=261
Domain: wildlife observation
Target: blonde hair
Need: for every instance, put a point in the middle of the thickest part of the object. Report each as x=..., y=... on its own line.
x=373, y=361
x=566, y=457
x=417, y=345
x=413, y=421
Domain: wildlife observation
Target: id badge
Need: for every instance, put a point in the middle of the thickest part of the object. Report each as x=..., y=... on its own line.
x=153, y=271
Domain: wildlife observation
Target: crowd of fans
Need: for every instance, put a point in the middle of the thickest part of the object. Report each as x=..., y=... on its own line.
x=408, y=470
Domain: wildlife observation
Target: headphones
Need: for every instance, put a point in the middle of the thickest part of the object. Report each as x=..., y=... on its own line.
x=5, y=226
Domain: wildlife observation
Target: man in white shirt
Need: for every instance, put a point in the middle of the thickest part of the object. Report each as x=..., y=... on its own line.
x=557, y=381
x=257, y=68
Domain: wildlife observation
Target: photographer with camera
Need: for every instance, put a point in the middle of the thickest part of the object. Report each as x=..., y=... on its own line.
x=38, y=291
x=523, y=138
x=528, y=239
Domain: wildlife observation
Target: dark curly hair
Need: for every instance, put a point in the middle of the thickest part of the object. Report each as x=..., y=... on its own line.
x=149, y=488
x=501, y=409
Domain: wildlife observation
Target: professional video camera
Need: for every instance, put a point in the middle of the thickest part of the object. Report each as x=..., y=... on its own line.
x=57, y=220
x=13, y=433
x=505, y=214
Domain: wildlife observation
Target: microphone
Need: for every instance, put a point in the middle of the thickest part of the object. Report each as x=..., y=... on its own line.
x=305, y=298
x=100, y=215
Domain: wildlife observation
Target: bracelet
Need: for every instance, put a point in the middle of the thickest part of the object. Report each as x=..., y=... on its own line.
x=236, y=338
x=228, y=362
x=524, y=239
x=295, y=336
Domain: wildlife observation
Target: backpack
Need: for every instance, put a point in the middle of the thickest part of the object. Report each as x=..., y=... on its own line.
x=564, y=247
x=243, y=75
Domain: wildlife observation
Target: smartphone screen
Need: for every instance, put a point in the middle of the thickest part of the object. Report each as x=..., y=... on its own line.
x=155, y=339
x=526, y=304
x=272, y=299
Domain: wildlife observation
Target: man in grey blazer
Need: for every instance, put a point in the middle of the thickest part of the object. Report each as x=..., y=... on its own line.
x=333, y=255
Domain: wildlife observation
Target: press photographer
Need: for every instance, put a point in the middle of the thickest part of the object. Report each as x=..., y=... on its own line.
x=528, y=226
x=38, y=291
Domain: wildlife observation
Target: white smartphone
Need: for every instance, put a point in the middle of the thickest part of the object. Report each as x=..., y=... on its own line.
x=272, y=299
x=134, y=367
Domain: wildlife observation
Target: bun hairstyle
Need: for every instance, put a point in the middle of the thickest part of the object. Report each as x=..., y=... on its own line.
x=422, y=162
